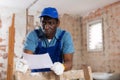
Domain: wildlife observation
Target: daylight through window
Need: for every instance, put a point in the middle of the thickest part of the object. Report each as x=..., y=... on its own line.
x=95, y=36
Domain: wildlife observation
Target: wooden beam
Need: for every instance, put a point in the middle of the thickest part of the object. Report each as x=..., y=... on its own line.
x=87, y=72
x=84, y=74
x=11, y=50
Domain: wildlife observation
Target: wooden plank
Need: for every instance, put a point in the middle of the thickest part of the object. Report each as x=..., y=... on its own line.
x=11, y=50
x=72, y=74
x=87, y=72
x=84, y=74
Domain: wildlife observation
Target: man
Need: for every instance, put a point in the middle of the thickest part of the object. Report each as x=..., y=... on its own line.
x=49, y=38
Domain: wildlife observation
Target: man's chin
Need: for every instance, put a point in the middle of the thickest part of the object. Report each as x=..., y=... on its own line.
x=47, y=33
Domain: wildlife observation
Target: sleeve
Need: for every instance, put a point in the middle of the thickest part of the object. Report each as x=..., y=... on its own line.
x=31, y=41
x=68, y=46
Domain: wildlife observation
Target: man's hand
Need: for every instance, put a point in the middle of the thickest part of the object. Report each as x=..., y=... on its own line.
x=21, y=65
x=58, y=68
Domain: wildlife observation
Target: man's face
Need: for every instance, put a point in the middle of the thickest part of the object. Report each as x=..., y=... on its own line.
x=49, y=25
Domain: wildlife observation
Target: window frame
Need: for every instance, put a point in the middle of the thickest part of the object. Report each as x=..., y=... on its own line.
x=88, y=25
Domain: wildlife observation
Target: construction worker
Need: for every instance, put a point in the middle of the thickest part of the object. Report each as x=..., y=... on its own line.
x=49, y=38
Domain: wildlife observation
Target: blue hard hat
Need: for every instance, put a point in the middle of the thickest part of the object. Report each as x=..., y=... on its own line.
x=49, y=11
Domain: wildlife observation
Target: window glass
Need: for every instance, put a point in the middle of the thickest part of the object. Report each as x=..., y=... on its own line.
x=95, y=36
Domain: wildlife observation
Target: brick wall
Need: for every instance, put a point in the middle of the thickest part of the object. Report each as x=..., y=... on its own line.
x=107, y=60
x=6, y=17
x=72, y=24
x=3, y=46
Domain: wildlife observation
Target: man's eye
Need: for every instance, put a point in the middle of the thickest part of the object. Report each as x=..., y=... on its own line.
x=43, y=23
x=50, y=23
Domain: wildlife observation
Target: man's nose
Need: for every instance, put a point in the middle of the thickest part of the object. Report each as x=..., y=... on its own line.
x=47, y=26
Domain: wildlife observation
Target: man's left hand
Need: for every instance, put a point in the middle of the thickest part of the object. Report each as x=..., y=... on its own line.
x=58, y=68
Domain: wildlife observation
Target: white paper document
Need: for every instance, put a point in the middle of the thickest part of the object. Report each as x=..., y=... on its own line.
x=38, y=61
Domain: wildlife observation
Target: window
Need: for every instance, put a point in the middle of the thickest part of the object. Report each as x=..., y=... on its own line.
x=95, y=36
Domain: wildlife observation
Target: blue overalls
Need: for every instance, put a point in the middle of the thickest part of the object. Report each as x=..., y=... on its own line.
x=54, y=52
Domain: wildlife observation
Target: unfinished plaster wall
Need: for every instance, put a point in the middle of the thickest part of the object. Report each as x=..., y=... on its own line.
x=109, y=59
x=6, y=17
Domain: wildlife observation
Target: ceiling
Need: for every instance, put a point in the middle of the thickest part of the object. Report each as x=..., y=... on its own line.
x=79, y=7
